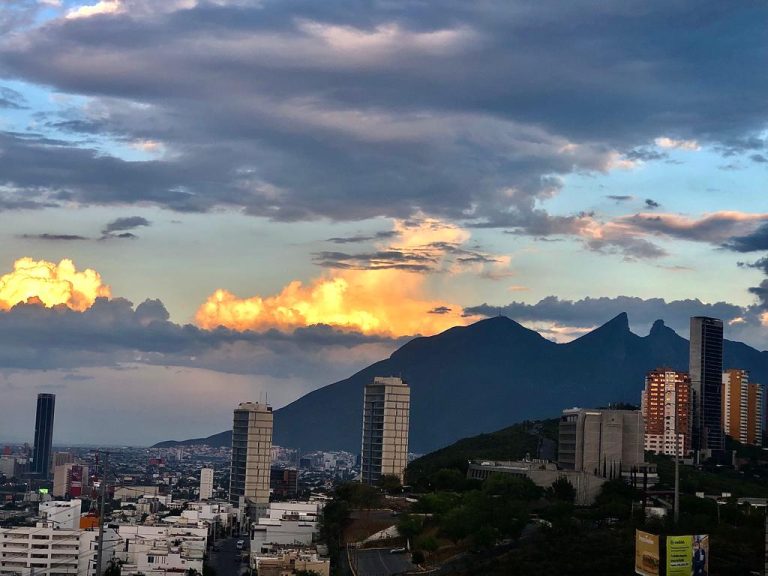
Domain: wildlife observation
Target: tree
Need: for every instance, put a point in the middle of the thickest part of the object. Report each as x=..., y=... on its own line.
x=410, y=526
x=390, y=483
x=562, y=490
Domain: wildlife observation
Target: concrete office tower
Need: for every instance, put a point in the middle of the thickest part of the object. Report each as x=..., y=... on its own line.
x=251, y=453
x=666, y=407
x=70, y=480
x=386, y=419
x=601, y=442
x=742, y=407
x=206, y=483
x=41, y=453
x=706, y=371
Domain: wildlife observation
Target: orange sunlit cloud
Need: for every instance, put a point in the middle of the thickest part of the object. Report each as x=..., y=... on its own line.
x=50, y=284
x=391, y=301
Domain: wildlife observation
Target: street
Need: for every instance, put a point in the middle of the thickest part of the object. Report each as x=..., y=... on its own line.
x=226, y=560
x=380, y=562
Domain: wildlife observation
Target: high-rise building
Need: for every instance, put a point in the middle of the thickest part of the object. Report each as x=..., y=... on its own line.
x=41, y=453
x=386, y=414
x=251, y=453
x=706, y=371
x=742, y=407
x=600, y=442
x=666, y=407
x=206, y=483
x=70, y=480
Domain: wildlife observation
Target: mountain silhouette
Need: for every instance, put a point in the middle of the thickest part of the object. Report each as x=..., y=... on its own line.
x=486, y=376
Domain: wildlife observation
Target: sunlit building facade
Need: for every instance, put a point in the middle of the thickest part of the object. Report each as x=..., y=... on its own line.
x=666, y=406
x=742, y=407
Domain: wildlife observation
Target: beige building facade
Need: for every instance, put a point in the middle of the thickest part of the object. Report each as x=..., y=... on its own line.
x=386, y=422
x=251, y=453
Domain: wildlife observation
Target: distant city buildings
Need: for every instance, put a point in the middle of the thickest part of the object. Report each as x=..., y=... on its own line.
x=706, y=372
x=206, y=483
x=251, y=453
x=601, y=442
x=742, y=405
x=386, y=414
x=41, y=453
x=666, y=407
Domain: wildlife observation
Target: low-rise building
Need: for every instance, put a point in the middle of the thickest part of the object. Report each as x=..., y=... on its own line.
x=158, y=549
x=46, y=549
x=286, y=524
x=290, y=561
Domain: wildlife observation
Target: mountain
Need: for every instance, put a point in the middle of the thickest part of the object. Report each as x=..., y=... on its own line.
x=483, y=377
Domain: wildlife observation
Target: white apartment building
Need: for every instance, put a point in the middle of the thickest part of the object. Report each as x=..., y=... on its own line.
x=61, y=514
x=285, y=524
x=206, y=483
x=158, y=550
x=44, y=549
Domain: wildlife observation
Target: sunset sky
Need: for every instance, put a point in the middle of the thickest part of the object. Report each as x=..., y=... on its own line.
x=210, y=201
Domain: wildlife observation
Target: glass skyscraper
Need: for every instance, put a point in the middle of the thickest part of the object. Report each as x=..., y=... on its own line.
x=706, y=371
x=41, y=453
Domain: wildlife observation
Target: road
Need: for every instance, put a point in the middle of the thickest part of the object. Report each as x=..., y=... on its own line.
x=380, y=562
x=226, y=560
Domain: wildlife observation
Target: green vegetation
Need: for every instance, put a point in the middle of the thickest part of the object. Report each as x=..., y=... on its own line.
x=511, y=443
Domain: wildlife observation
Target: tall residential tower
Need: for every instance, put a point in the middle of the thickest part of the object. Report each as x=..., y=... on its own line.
x=706, y=371
x=251, y=453
x=386, y=414
x=41, y=452
x=666, y=409
x=742, y=407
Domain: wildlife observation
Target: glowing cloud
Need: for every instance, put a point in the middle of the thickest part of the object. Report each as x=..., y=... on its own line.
x=388, y=301
x=50, y=284
x=669, y=143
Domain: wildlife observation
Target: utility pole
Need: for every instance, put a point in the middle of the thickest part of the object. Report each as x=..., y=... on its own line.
x=677, y=464
x=100, y=540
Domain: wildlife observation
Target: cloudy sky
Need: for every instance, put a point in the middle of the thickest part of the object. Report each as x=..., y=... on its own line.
x=209, y=201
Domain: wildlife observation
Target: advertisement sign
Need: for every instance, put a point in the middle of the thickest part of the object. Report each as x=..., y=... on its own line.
x=701, y=555
x=679, y=555
x=647, y=559
x=688, y=555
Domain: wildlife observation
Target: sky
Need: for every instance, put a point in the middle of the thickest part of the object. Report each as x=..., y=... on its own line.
x=210, y=201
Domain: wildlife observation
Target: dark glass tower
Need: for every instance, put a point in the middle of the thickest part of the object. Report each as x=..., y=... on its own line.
x=41, y=453
x=706, y=371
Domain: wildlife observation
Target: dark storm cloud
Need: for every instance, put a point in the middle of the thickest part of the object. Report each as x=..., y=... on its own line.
x=348, y=110
x=440, y=310
x=714, y=228
x=756, y=241
x=380, y=260
x=759, y=158
x=383, y=235
x=113, y=331
x=116, y=228
x=651, y=204
x=620, y=198
x=54, y=237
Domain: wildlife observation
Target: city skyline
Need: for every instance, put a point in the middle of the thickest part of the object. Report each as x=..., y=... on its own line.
x=327, y=182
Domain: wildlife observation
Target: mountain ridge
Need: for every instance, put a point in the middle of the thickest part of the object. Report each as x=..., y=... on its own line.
x=483, y=377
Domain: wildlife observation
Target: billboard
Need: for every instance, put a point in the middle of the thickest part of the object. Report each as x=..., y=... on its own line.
x=688, y=555
x=647, y=559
